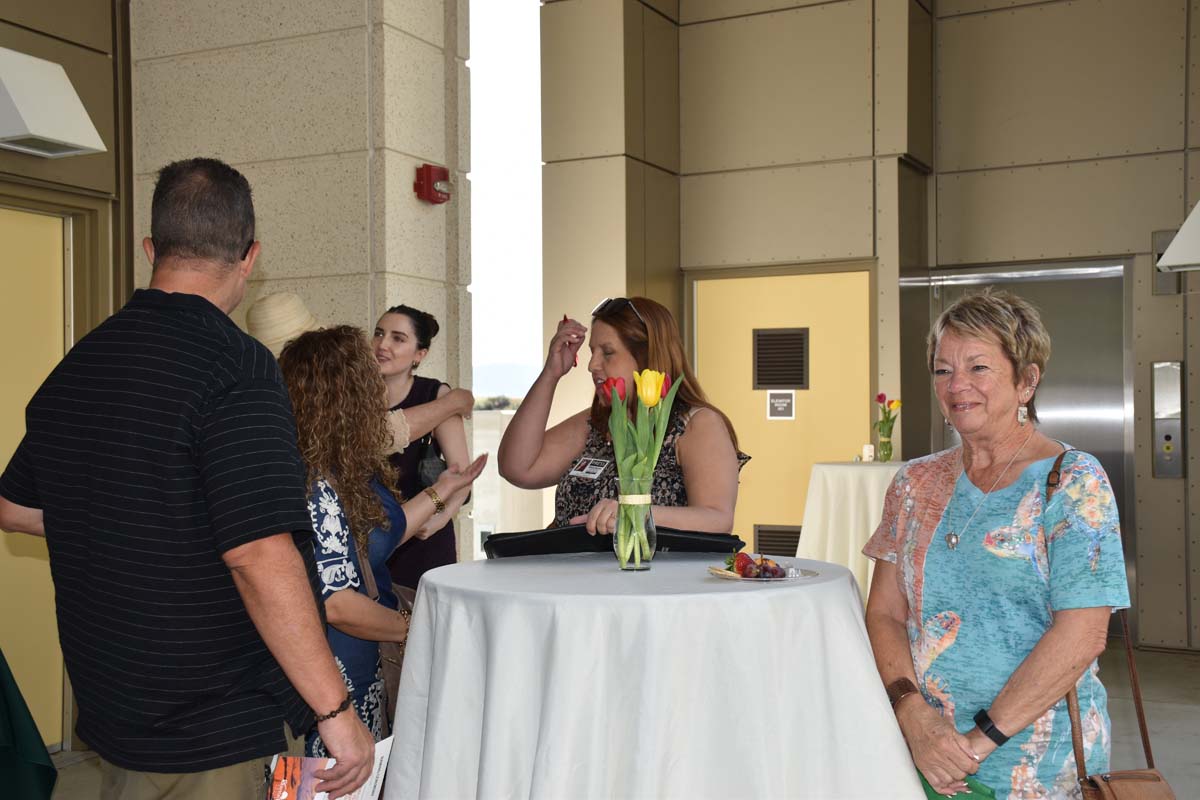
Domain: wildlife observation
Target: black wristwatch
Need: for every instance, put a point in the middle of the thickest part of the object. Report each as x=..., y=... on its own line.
x=988, y=728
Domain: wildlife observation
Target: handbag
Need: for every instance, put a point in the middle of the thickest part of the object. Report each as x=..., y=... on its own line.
x=391, y=654
x=432, y=464
x=1126, y=784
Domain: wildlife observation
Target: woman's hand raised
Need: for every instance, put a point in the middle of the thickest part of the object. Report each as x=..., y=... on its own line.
x=454, y=479
x=941, y=753
x=564, y=348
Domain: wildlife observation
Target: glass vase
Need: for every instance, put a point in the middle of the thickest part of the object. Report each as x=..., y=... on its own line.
x=634, y=540
x=883, y=452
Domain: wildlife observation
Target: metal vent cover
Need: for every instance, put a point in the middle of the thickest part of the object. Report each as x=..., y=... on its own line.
x=776, y=540
x=781, y=358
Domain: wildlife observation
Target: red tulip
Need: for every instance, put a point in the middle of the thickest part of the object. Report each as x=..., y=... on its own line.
x=620, y=384
x=666, y=385
x=881, y=398
x=614, y=383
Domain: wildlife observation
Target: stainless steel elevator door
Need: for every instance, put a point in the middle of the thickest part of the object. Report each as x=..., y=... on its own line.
x=1081, y=398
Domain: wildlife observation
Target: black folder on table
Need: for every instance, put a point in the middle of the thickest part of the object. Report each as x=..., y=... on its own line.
x=575, y=539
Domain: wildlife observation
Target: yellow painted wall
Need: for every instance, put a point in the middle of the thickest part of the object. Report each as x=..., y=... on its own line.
x=832, y=417
x=31, y=321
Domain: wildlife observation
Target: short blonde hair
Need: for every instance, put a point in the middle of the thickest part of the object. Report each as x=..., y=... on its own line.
x=1002, y=317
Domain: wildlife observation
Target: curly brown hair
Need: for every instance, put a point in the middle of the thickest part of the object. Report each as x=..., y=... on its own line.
x=341, y=424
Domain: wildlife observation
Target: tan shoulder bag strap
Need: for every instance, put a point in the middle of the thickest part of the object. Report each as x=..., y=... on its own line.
x=1052, y=482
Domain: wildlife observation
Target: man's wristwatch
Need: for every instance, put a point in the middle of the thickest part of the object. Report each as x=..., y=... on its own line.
x=988, y=728
x=899, y=689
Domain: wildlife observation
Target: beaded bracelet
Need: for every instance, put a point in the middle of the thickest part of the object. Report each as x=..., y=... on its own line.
x=342, y=707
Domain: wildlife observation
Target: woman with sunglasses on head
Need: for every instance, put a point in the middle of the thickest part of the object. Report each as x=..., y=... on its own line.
x=401, y=341
x=696, y=480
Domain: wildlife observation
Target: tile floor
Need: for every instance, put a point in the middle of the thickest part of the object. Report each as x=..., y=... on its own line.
x=1170, y=693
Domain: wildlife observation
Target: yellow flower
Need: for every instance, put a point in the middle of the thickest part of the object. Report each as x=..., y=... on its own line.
x=894, y=405
x=649, y=386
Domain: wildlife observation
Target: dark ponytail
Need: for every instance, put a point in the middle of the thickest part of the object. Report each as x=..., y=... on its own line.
x=424, y=323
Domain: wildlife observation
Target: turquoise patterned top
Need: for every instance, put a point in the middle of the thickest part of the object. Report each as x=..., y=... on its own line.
x=977, y=611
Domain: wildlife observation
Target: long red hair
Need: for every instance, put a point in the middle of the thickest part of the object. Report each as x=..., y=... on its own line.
x=655, y=345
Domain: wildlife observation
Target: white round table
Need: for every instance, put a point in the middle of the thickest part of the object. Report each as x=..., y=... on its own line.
x=842, y=510
x=562, y=677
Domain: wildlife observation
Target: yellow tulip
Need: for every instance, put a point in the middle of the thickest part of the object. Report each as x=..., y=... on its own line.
x=649, y=386
x=894, y=405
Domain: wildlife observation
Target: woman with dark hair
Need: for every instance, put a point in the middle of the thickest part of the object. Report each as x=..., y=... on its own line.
x=337, y=398
x=696, y=480
x=402, y=339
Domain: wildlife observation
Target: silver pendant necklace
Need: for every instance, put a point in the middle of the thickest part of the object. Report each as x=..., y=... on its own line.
x=953, y=538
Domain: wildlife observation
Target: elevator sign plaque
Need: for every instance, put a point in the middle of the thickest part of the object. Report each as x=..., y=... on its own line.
x=781, y=405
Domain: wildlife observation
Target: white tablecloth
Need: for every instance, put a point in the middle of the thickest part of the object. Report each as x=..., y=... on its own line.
x=561, y=677
x=844, y=506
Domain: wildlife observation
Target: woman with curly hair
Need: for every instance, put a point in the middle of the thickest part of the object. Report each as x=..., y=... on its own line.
x=338, y=401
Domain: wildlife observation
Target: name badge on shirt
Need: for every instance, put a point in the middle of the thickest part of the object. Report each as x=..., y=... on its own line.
x=590, y=468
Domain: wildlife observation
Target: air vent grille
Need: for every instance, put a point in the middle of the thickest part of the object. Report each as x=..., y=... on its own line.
x=776, y=540
x=781, y=358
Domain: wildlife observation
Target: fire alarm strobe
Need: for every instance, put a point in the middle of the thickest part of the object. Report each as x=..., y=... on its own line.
x=433, y=183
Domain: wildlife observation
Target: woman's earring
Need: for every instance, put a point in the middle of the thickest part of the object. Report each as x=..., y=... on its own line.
x=415, y=364
x=1022, y=414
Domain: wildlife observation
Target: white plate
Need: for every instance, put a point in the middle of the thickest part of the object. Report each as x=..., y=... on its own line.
x=795, y=573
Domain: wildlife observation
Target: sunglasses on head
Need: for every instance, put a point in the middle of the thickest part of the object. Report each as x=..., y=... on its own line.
x=613, y=305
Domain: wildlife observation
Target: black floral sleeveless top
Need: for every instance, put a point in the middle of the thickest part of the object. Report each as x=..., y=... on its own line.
x=577, y=493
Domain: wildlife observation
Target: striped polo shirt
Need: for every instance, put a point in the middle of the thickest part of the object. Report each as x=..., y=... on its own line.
x=162, y=440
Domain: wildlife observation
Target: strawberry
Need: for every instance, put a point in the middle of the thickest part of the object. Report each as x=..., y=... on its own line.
x=740, y=562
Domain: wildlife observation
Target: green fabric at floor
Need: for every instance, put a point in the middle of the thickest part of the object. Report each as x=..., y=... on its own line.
x=26, y=766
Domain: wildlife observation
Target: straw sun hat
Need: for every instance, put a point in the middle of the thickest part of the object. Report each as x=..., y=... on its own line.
x=276, y=319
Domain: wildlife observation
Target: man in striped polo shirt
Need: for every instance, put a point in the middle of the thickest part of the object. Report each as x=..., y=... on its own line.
x=160, y=463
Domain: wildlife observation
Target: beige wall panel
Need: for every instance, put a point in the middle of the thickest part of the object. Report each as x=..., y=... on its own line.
x=583, y=253
x=1193, y=178
x=461, y=157
x=583, y=79
x=424, y=19
x=172, y=27
x=703, y=10
x=463, y=24
x=1193, y=99
x=1159, y=511
x=782, y=88
x=891, y=78
x=668, y=7
x=920, y=83
x=1088, y=208
x=1059, y=82
x=299, y=97
x=949, y=8
x=914, y=219
x=91, y=74
x=336, y=300
x=305, y=230
x=410, y=86
x=661, y=58
x=664, y=281
x=635, y=227
x=777, y=216
x=635, y=79
x=88, y=24
x=410, y=233
x=458, y=221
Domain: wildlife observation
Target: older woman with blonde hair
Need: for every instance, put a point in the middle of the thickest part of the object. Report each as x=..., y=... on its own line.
x=989, y=600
